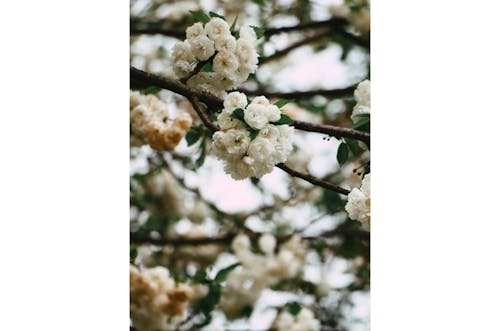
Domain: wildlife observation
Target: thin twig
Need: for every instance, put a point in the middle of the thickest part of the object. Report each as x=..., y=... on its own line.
x=313, y=180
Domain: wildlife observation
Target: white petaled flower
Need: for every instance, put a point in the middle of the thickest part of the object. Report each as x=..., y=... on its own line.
x=247, y=54
x=256, y=116
x=267, y=243
x=248, y=153
x=225, y=64
x=236, y=141
x=183, y=59
x=362, y=96
x=202, y=47
x=261, y=150
x=247, y=32
x=217, y=28
x=235, y=100
x=240, y=243
x=358, y=203
x=226, y=43
x=304, y=321
x=195, y=30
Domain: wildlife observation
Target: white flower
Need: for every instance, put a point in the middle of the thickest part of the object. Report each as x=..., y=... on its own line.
x=267, y=243
x=304, y=321
x=217, y=28
x=225, y=64
x=194, y=31
x=358, y=203
x=236, y=141
x=183, y=59
x=248, y=33
x=261, y=150
x=247, y=54
x=362, y=96
x=226, y=122
x=240, y=243
x=226, y=43
x=235, y=100
x=202, y=47
x=256, y=116
x=362, y=93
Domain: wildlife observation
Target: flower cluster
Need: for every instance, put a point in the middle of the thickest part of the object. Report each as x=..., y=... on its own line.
x=154, y=296
x=356, y=11
x=303, y=321
x=358, y=203
x=151, y=125
x=232, y=60
x=250, y=141
x=362, y=96
x=259, y=271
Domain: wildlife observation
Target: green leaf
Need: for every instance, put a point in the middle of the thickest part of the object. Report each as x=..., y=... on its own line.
x=284, y=119
x=133, y=253
x=254, y=134
x=258, y=31
x=353, y=146
x=233, y=26
x=318, y=245
x=342, y=153
x=207, y=67
x=259, y=2
x=361, y=122
x=201, y=159
x=282, y=102
x=239, y=114
x=193, y=136
x=293, y=308
x=200, y=15
x=200, y=276
x=150, y=90
x=222, y=274
x=213, y=14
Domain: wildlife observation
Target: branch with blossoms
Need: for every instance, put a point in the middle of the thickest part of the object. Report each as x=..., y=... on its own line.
x=336, y=26
x=195, y=97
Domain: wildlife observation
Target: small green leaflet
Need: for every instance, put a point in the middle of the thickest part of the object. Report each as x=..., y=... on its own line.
x=207, y=67
x=200, y=15
x=239, y=114
x=150, y=90
x=133, y=253
x=213, y=14
x=282, y=102
x=342, y=153
x=362, y=121
x=258, y=31
x=284, y=120
x=259, y=2
x=254, y=134
x=200, y=276
x=234, y=24
x=223, y=273
x=192, y=136
x=293, y=308
x=201, y=159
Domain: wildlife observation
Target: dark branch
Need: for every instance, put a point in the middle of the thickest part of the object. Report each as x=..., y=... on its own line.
x=300, y=43
x=313, y=180
x=333, y=93
x=335, y=131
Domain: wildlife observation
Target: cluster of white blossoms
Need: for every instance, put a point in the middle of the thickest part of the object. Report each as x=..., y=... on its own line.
x=362, y=96
x=252, y=145
x=151, y=125
x=357, y=12
x=358, y=203
x=233, y=60
x=260, y=271
x=303, y=321
x=155, y=298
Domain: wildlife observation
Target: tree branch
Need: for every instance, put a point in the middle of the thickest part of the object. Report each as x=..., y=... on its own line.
x=333, y=93
x=195, y=98
x=313, y=180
